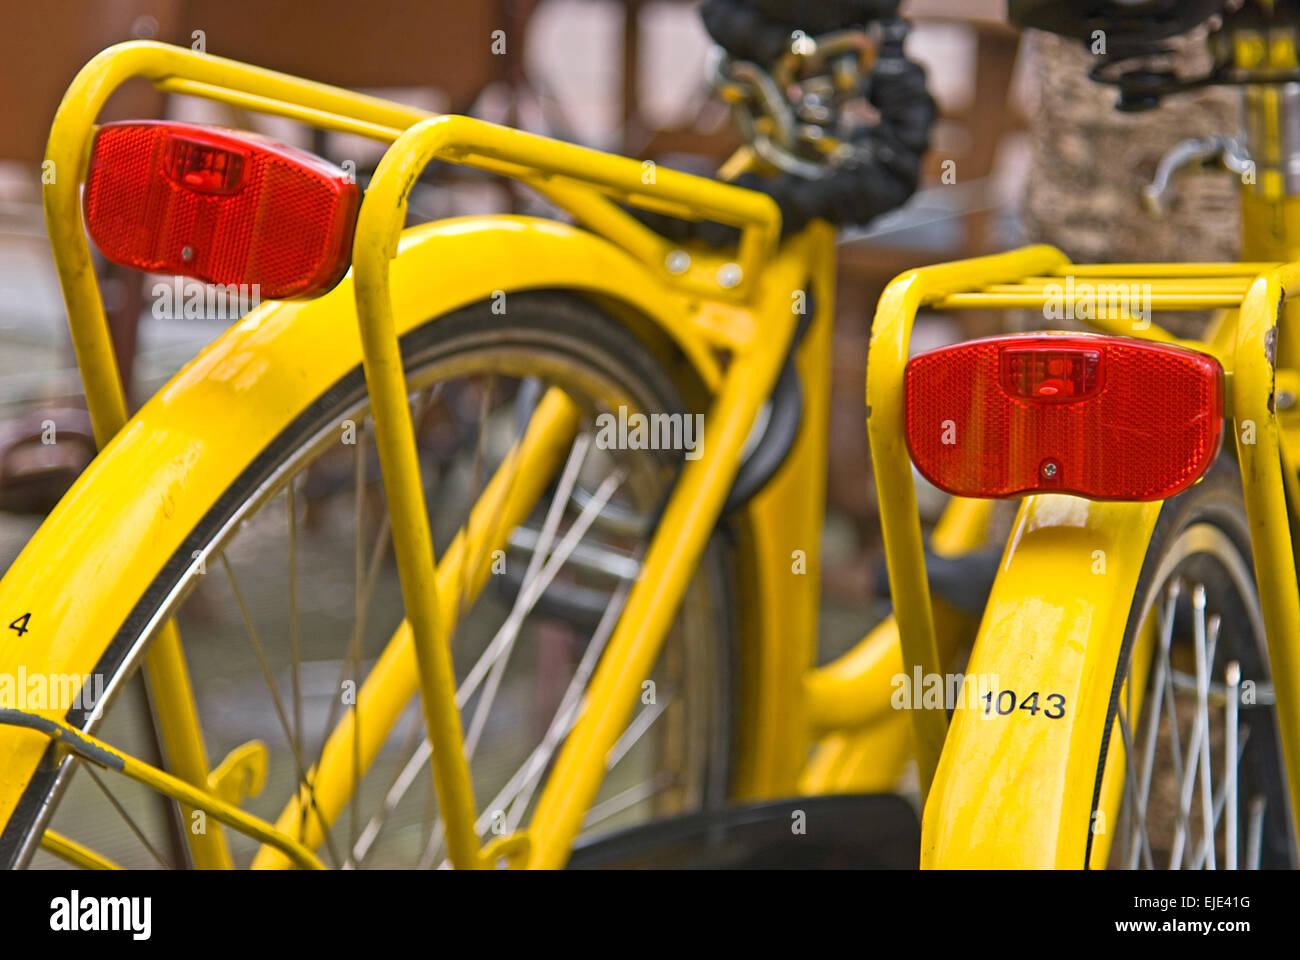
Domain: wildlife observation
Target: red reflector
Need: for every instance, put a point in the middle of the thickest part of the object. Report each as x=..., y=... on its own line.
x=1107, y=418
x=221, y=206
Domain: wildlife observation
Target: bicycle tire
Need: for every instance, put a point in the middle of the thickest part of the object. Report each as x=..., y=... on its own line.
x=546, y=320
x=1215, y=503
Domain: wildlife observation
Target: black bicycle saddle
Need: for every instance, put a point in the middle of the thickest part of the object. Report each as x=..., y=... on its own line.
x=1127, y=24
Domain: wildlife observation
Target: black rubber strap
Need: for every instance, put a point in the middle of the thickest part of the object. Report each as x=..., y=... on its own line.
x=889, y=169
x=759, y=30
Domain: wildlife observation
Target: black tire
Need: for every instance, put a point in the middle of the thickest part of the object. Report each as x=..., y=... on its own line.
x=1226, y=573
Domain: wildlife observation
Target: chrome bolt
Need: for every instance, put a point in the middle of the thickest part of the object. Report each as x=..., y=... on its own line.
x=1049, y=469
x=187, y=253
x=729, y=275
x=679, y=261
x=1285, y=399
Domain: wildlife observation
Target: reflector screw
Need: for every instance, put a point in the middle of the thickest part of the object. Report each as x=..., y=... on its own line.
x=1049, y=469
x=1285, y=399
x=187, y=253
x=729, y=276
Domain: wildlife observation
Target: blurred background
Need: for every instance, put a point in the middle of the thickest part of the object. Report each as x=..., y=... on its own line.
x=1032, y=150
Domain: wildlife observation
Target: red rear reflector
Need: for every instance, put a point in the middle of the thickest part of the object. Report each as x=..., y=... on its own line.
x=1108, y=418
x=221, y=206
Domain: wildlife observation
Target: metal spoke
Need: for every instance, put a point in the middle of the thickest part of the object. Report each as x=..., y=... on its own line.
x=1230, y=760
x=130, y=821
x=364, y=588
x=1199, y=731
x=1165, y=625
x=627, y=799
x=1220, y=800
x=1203, y=667
x=636, y=730
x=276, y=702
x=396, y=790
x=519, y=794
x=478, y=483
x=521, y=607
x=471, y=559
x=529, y=595
x=1255, y=833
x=1139, y=812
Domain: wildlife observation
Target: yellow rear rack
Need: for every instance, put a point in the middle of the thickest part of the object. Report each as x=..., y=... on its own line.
x=1243, y=337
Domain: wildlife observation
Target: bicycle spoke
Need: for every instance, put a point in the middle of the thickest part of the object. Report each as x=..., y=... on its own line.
x=1165, y=626
x=1221, y=798
x=1255, y=833
x=529, y=595
x=536, y=580
x=1203, y=714
x=627, y=799
x=477, y=486
x=519, y=791
x=1138, y=806
x=636, y=730
x=1199, y=731
x=122, y=812
x=1231, y=758
x=396, y=790
x=524, y=602
x=521, y=607
x=260, y=652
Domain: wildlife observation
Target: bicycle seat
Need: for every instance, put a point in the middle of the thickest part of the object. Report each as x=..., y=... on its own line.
x=1126, y=23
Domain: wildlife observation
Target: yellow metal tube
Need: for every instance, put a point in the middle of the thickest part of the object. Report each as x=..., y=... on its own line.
x=480, y=144
x=65, y=157
x=66, y=154
x=506, y=502
x=172, y=697
x=74, y=853
x=378, y=227
x=1019, y=300
x=1259, y=454
x=412, y=540
x=892, y=465
x=682, y=534
x=91, y=750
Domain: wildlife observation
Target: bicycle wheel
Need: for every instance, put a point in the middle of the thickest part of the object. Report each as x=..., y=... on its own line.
x=299, y=594
x=1200, y=771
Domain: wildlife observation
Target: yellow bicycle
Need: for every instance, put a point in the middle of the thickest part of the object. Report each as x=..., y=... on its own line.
x=512, y=466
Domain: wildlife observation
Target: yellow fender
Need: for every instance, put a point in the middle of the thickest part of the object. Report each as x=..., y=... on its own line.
x=1016, y=789
x=79, y=577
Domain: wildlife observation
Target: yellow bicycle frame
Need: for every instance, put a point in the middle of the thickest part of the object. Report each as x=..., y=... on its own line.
x=1010, y=791
x=732, y=321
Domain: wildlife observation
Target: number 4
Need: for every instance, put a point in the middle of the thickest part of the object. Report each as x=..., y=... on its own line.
x=1031, y=703
x=21, y=624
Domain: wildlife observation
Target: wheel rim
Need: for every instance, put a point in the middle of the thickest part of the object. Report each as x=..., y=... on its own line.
x=1202, y=762
x=680, y=735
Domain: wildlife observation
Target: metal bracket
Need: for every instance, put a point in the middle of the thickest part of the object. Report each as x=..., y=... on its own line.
x=1203, y=151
